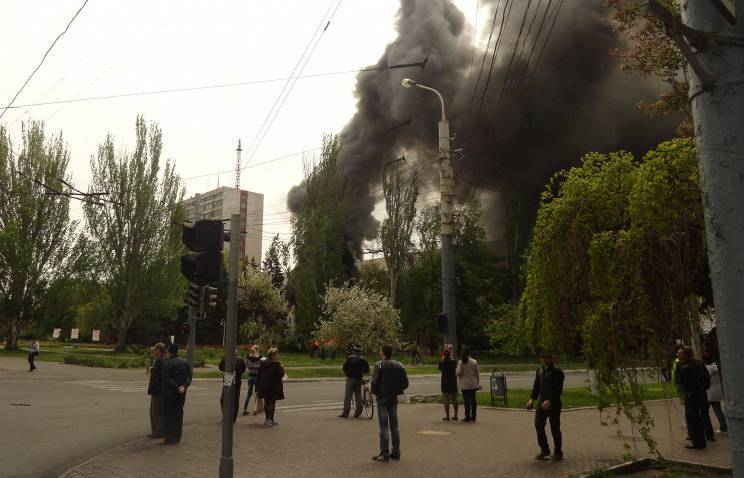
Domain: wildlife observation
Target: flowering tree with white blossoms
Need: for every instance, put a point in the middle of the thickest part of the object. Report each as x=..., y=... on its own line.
x=356, y=315
x=262, y=305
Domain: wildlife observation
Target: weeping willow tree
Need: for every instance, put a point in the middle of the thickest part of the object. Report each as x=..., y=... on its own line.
x=617, y=267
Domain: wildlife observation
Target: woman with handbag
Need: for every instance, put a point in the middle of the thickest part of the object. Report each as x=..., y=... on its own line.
x=33, y=351
x=269, y=385
x=469, y=375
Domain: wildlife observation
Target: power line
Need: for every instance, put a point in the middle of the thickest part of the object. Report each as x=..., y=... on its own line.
x=436, y=37
x=44, y=58
x=287, y=82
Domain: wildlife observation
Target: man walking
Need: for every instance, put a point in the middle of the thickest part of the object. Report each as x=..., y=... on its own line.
x=238, y=373
x=389, y=380
x=176, y=379
x=354, y=368
x=155, y=390
x=547, y=390
x=693, y=380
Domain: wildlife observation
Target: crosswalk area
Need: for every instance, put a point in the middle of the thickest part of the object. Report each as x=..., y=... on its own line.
x=319, y=405
x=124, y=387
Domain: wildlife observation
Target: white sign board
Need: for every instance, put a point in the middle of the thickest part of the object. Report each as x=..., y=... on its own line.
x=74, y=333
x=173, y=339
x=56, y=333
x=96, y=335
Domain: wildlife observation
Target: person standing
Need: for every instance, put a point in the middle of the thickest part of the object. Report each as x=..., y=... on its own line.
x=253, y=362
x=469, y=374
x=354, y=368
x=155, y=390
x=176, y=379
x=238, y=377
x=389, y=380
x=269, y=384
x=547, y=390
x=448, y=367
x=691, y=378
x=715, y=394
x=33, y=352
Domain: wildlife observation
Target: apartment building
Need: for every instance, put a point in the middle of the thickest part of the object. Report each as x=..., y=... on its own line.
x=221, y=203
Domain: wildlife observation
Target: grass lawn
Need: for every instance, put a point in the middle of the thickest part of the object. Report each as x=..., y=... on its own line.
x=571, y=398
x=91, y=355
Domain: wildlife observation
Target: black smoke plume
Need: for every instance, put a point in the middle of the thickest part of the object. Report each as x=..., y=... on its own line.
x=542, y=119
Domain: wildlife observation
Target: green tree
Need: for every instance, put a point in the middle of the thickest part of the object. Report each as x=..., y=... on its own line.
x=276, y=261
x=505, y=330
x=355, y=315
x=262, y=306
x=317, y=240
x=37, y=236
x=136, y=235
x=397, y=227
x=372, y=276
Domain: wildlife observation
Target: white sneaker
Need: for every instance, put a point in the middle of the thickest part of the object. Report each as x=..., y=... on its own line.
x=721, y=433
x=267, y=423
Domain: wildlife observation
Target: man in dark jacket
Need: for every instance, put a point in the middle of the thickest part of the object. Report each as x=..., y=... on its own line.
x=176, y=379
x=449, y=384
x=239, y=370
x=155, y=390
x=547, y=390
x=389, y=380
x=354, y=368
x=692, y=378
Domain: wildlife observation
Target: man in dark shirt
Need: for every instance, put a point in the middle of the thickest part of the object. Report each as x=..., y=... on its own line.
x=155, y=390
x=176, y=379
x=239, y=370
x=354, y=368
x=388, y=381
x=547, y=390
x=692, y=378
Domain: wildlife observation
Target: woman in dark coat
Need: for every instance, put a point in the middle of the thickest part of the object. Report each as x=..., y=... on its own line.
x=449, y=384
x=269, y=384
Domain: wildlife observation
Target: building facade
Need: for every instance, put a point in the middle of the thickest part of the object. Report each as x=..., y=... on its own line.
x=223, y=202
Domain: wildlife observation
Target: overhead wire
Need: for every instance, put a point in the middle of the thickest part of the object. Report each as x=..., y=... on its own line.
x=436, y=36
x=46, y=54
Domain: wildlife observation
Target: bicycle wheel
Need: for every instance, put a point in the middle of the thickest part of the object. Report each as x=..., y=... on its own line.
x=369, y=404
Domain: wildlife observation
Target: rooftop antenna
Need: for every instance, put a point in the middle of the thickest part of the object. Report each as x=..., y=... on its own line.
x=237, y=166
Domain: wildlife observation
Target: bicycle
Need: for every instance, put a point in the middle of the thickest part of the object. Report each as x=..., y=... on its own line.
x=368, y=400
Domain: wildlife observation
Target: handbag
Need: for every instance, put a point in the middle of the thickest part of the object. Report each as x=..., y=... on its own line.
x=257, y=406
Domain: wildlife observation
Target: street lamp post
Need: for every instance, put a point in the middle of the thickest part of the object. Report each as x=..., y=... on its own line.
x=447, y=206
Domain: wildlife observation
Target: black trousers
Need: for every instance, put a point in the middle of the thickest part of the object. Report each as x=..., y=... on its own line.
x=269, y=409
x=694, y=409
x=541, y=418
x=468, y=399
x=173, y=416
x=31, y=358
x=236, y=400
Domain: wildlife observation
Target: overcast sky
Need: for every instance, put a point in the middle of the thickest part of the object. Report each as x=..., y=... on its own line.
x=116, y=47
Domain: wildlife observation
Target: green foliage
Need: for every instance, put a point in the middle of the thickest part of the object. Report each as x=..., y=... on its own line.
x=37, y=236
x=263, y=307
x=318, y=241
x=276, y=262
x=616, y=265
x=136, y=235
x=358, y=316
x=372, y=276
x=506, y=332
x=106, y=362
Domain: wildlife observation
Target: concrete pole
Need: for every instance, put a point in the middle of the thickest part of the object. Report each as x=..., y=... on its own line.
x=718, y=114
x=447, y=209
x=192, y=335
x=228, y=383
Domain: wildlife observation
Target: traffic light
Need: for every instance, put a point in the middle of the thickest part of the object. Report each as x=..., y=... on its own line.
x=185, y=329
x=440, y=322
x=193, y=295
x=205, y=240
x=211, y=297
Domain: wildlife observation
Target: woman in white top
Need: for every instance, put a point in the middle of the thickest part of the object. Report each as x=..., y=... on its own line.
x=714, y=394
x=468, y=375
x=33, y=351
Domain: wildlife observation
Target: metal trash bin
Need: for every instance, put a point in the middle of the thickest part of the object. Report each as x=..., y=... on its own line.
x=498, y=386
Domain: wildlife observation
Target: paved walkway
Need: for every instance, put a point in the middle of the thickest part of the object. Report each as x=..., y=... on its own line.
x=316, y=443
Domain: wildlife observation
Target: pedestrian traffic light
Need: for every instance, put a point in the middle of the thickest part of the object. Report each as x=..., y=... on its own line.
x=193, y=295
x=205, y=240
x=211, y=296
x=185, y=329
x=440, y=322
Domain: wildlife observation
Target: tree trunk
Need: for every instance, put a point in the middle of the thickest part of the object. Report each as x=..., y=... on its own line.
x=11, y=341
x=393, y=289
x=123, y=324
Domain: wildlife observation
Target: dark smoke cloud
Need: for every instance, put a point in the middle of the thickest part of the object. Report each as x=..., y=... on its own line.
x=578, y=101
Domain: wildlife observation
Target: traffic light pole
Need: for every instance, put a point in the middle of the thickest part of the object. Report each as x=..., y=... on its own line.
x=228, y=383
x=192, y=336
x=717, y=107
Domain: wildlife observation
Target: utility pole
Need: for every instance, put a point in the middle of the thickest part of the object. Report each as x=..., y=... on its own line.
x=447, y=219
x=228, y=382
x=194, y=310
x=717, y=97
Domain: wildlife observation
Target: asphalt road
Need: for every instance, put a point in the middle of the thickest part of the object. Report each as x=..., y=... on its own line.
x=62, y=415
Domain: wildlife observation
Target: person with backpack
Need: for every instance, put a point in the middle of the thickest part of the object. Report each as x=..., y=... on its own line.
x=389, y=379
x=693, y=380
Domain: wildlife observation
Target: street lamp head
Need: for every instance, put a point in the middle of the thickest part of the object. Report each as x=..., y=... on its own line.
x=407, y=83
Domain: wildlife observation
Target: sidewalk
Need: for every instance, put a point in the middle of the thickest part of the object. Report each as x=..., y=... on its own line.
x=316, y=443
